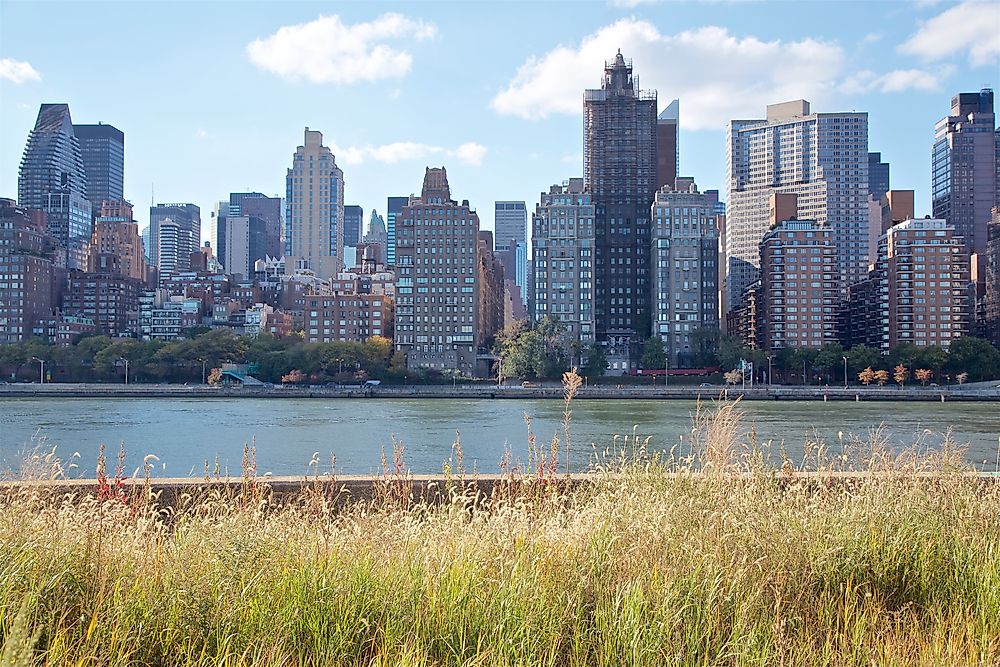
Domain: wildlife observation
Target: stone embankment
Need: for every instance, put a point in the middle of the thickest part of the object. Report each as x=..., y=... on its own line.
x=989, y=391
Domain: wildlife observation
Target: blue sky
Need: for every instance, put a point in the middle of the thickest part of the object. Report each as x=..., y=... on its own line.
x=213, y=97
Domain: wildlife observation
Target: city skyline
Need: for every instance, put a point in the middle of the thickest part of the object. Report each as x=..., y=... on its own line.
x=513, y=124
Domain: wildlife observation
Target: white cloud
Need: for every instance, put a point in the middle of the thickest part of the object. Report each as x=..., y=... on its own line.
x=896, y=81
x=18, y=71
x=470, y=153
x=328, y=51
x=719, y=76
x=972, y=26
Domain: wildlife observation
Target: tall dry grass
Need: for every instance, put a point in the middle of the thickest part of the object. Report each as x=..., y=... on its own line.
x=711, y=558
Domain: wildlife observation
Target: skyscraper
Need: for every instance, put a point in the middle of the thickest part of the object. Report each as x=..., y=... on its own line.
x=562, y=244
x=27, y=262
x=52, y=178
x=268, y=209
x=354, y=222
x=183, y=240
x=102, y=148
x=247, y=228
x=821, y=157
x=315, y=195
x=685, y=255
x=437, y=288
x=378, y=237
x=619, y=170
x=878, y=176
x=116, y=247
x=667, y=155
x=393, y=209
x=511, y=240
x=964, y=171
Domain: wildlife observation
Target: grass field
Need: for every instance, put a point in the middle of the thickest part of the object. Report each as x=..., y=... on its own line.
x=707, y=560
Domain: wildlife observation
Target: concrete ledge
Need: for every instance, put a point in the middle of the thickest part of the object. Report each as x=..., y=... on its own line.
x=176, y=492
x=775, y=393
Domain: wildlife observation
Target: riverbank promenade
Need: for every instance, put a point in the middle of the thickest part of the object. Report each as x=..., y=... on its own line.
x=983, y=391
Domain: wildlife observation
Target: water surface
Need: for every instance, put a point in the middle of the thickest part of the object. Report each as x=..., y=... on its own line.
x=186, y=433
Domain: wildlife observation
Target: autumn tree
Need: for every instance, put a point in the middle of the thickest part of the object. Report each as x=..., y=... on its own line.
x=962, y=377
x=215, y=377
x=924, y=375
x=900, y=373
x=866, y=376
x=882, y=377
x=295, y=377
x=733, y=377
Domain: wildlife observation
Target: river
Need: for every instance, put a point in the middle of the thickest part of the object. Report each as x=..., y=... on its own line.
x=184, y=434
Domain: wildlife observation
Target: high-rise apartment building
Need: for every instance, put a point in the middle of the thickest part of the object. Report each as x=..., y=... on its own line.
x=490, y=320
x=822, y=158
x=563, y=251
x=354, y=222
x=991, y=298
x=878, y=176
x=110, y=300
x=797, y=305
x=923, y=284
x=271, y=211
x=437, y=265
x=116, y=247
x=394, y=207
x=102, y=148
x=964, y=170
x=620, y=172
x=511, y=240
x=184, y=236
x=315, y=195
x=377, y=238
x=247, y=229
x=684, y=261
x=667, y=142
x=28, y=266
x=52, y=178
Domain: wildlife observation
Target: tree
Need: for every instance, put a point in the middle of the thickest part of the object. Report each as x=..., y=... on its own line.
x=595, y=360
x=804, y=360
x=653, y=355
x=861, y=357
x=705, y=345
x=215, y=377
x=962, y=377
x=932, y=358
x=900, y=373
x=924, y=375
x=295, y=377
x=866, y=376
x=733, y=377
x=975, y=357
x=730, y=351
x=882, y=377
x=830, y=358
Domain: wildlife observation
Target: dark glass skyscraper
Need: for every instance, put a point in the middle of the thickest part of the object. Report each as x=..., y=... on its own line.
x=354, y=222
x=102, y=148
x=394, y=209
x=964, y=172
x=878, y=176
x=52, y=178
x=620, y=171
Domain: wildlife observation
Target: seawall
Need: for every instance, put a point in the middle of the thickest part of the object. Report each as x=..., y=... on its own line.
x=979, y=393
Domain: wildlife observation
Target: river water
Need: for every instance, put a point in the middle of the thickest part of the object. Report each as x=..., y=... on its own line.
x=184, y=434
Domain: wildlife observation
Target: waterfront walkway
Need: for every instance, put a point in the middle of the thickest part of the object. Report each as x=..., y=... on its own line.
x=984, y=391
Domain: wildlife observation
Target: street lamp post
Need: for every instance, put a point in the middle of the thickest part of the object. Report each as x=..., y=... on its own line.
x=770, y=358
x=666, y=370
x=845, y=372
x=803, y=372
x=41, y=369
x=203, y=378
x=124, y=361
